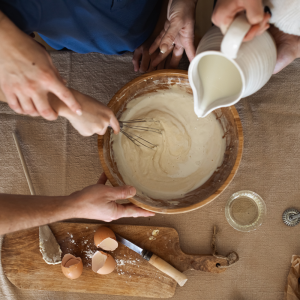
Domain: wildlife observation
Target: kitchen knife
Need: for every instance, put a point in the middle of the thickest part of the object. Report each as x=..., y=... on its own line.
x=49, y=247
x=155, y=261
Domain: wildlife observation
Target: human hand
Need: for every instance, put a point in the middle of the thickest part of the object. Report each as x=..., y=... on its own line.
x=95, y=117
x=177, y=35
x=27, y=74
x=142, y=59
x=99, y=202
x=226, y=10
x=288, y=48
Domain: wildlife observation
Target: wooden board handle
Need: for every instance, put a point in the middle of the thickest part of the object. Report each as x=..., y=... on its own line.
x=166, y=268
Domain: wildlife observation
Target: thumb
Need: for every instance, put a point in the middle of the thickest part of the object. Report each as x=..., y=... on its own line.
x=121, y=192
x=114, y=123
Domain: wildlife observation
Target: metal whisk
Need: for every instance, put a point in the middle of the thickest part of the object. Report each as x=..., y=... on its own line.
x=136, y=139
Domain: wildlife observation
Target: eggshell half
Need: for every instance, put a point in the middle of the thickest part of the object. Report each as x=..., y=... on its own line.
x=71, y=266
x=105, y=239
x=103, y=263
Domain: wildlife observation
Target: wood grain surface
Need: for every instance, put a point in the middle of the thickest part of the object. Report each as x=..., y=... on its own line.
x=221, y=178
x=24, y=267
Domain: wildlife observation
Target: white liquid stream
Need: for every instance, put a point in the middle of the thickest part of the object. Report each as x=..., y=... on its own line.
x=189, y=149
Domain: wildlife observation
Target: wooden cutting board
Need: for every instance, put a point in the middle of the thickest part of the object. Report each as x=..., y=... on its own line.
x=23, y=264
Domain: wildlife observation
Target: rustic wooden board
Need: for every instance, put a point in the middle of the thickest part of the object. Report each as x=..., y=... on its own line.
x=24, y=267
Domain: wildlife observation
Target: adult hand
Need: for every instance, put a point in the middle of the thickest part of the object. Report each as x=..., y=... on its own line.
x=178, y=33
x=99, y=202
x=226, y=10
x=95, y=117
x=27, y=74
x=288, y=48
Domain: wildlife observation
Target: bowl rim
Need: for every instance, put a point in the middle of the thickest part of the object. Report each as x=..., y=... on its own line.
x=183, y=74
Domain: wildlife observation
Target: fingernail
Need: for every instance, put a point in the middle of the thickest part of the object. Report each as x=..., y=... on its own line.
x=223, y=29
x=79, y=112
x=163, y=48
x=132, y=191
x=267, y=10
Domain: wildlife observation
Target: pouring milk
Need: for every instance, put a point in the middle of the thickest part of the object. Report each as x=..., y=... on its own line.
x=226, y=70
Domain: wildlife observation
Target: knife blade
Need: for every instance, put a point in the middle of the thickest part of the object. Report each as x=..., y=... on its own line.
x=154, y=260
x=49, y=247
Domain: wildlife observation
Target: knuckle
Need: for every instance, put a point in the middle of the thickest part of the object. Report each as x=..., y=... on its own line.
x=124, y=193
x=15, y=108
x=31, y=87
x=29, y=111
x=47, y=112
x=67, y=94
x=256, y=19
x=170, y=37
x=47, y=77
x=6, y=87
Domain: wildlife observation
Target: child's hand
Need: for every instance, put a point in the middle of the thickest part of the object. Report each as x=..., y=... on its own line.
x=177, y=35
x=226, y=10
x=95, y=117
x=288, y=48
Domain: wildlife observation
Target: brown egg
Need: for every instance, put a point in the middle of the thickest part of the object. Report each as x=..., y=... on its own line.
x=105, y=239
x=103, y=263
x=71, y=266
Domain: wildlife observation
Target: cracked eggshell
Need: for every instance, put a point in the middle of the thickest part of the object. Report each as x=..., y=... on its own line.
x=71, y=266
x=103, y=263
x=105, y=239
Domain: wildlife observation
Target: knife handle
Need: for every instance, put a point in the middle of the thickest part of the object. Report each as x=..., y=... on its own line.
x=166, y=268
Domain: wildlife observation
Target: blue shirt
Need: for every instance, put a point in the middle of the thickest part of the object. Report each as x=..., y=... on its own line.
x=105, y=26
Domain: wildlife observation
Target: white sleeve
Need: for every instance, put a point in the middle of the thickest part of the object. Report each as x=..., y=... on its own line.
x=285, y=15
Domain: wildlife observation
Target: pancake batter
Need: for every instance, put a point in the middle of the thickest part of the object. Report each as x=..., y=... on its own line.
x=189, y=149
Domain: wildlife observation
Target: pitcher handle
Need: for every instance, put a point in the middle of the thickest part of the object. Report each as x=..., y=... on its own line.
x=234, y=36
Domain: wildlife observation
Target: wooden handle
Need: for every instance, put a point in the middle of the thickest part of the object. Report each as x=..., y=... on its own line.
x=166, y=268
x=24, y=164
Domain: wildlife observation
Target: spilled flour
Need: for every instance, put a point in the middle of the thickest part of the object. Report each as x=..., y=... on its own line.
x=189, y=149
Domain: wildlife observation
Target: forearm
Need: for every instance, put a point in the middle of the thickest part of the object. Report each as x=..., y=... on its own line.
x=19, y=212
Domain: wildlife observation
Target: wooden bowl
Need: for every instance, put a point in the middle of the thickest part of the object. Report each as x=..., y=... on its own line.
x=228, y=117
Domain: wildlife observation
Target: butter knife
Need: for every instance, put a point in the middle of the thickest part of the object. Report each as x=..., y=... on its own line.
x=155, y=261
x=49, y=247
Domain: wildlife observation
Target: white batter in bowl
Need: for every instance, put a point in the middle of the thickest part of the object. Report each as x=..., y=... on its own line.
x=189, y=149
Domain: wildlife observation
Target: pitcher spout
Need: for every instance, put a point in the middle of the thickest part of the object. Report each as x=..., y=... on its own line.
x=216, y=82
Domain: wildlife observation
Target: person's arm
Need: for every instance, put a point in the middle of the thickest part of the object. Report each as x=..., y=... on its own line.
x=27, y=74
x=95, y=117
x=288, y=48
x=97, y=202
x=178, y=33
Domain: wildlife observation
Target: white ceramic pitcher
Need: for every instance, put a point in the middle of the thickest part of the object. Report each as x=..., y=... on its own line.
x=226, y=70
